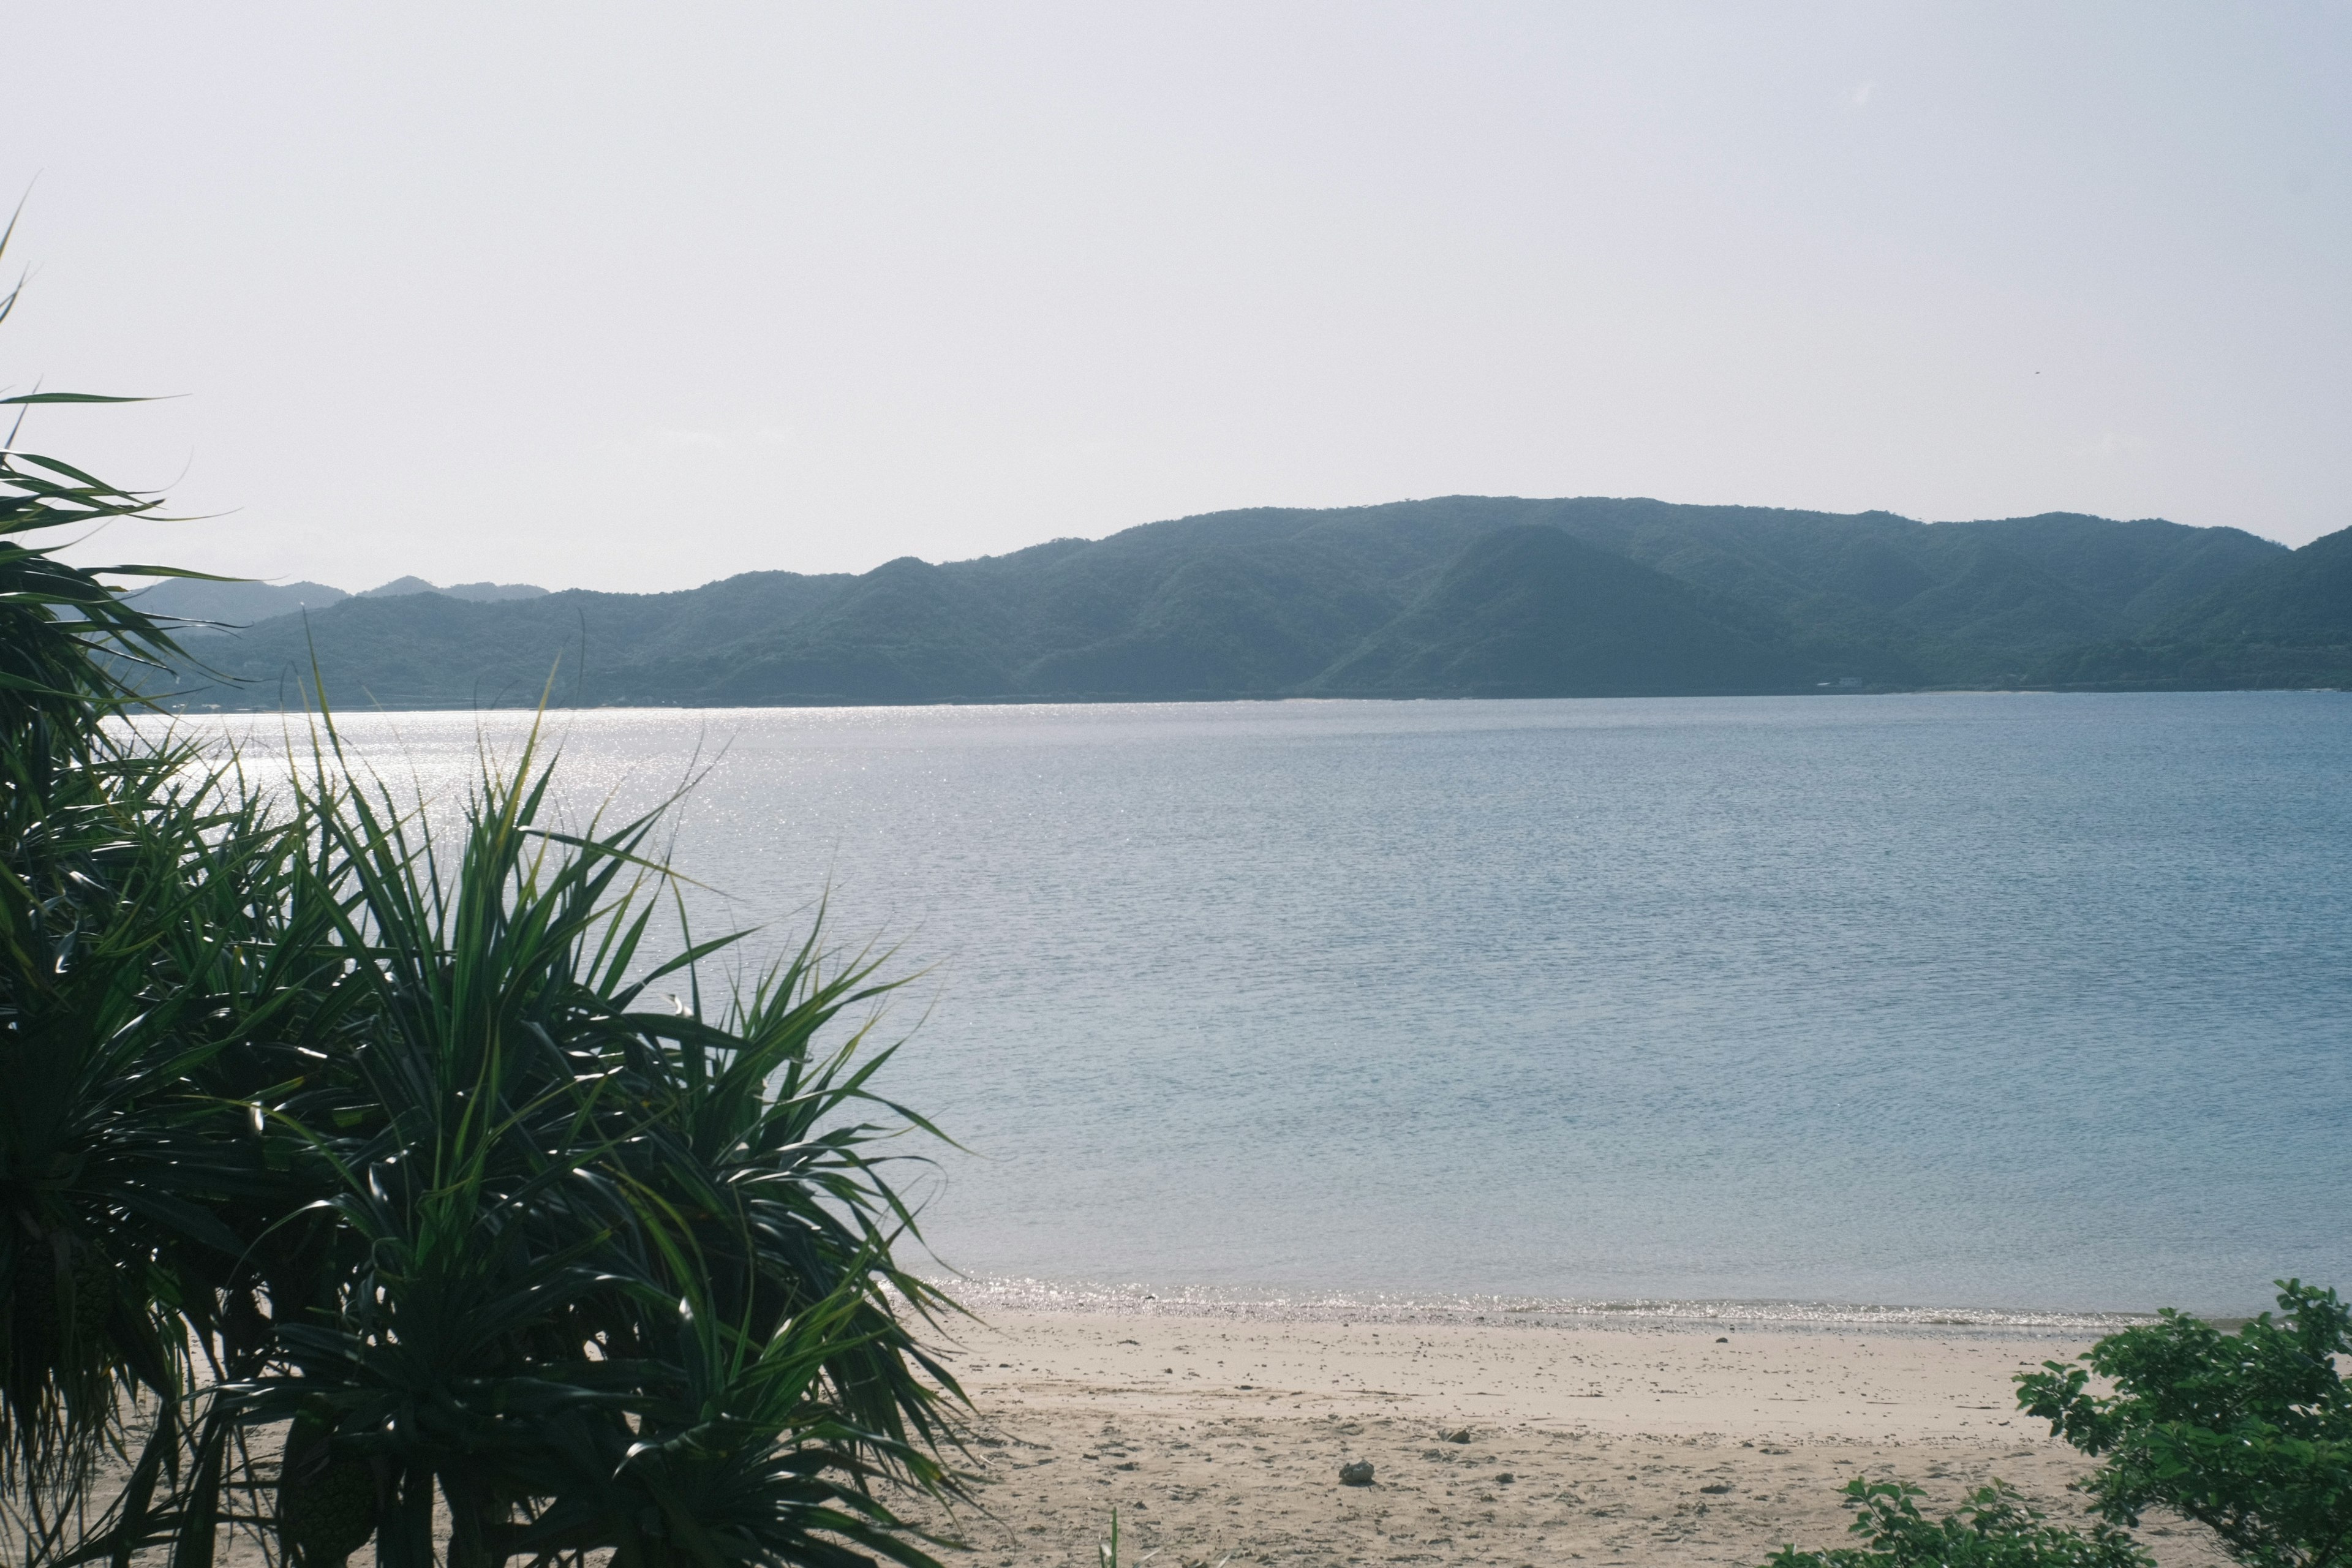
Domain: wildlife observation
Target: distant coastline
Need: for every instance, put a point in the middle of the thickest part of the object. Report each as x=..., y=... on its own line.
x=1465, y=596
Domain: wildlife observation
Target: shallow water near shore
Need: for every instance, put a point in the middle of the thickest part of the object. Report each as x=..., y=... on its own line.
x=2022, y=1003
x=1046, y=1299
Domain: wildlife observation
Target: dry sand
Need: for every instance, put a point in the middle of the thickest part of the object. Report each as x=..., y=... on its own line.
x=1626, y=1443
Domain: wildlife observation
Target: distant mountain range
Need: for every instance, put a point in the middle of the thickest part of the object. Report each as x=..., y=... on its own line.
x=1456, y=597
x=237, y=604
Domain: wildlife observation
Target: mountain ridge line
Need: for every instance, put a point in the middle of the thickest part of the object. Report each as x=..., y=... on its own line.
x=1459, y=595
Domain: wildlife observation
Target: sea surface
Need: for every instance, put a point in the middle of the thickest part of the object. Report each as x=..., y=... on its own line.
x=1993, y=1001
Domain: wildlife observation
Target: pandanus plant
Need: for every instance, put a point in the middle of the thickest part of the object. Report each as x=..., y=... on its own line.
x=606, y=1267
x=99, y=1141
x=368, y=1179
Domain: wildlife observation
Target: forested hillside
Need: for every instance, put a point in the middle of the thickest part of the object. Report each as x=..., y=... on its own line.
x=1462, y=595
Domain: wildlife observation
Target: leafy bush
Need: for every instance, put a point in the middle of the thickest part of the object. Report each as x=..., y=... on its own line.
x=1992, y=1530
x=2249, y=1433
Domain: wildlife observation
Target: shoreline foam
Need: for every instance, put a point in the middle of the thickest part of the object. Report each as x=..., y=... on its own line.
x=1030, y=1296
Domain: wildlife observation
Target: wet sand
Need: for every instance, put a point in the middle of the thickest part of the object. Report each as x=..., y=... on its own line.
x=1637, y=1443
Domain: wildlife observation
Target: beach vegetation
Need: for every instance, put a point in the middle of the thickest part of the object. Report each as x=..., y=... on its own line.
x=372, y=1177
x=2247, y=1432
x=1994, y=1528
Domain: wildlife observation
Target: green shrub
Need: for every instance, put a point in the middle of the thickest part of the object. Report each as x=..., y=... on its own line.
x=2247, y=1432
x=1992, y=1530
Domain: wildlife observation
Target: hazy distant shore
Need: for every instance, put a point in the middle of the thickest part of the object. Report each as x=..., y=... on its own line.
x=1456, y=596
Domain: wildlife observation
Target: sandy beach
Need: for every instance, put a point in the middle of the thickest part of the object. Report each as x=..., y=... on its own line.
x=1635, y=1442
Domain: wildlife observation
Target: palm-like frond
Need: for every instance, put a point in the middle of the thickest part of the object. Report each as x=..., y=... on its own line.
x=110, y=847
x=536, y=1168
x=310, y=1109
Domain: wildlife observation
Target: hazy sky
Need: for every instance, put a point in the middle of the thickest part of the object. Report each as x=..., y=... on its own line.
x=638, y=296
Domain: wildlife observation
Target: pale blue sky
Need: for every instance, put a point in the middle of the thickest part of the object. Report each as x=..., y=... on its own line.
x=638, y=296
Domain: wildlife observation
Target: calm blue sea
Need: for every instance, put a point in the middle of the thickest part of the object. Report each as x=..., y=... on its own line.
x=2037, y=1002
